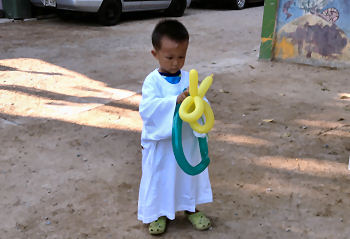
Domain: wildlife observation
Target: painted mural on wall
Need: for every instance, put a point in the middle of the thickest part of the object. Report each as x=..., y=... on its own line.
x=313, y=30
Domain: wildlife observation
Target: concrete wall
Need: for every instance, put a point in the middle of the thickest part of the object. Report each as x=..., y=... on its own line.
x=315, y=32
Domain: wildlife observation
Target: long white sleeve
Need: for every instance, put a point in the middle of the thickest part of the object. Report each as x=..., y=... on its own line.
x=156, y=112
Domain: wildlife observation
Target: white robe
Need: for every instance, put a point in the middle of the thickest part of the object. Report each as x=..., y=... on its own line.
x=165, y=188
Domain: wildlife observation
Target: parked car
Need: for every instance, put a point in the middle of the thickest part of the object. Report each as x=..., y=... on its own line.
x=240, y=4
x=109, y=11
x=232, y=4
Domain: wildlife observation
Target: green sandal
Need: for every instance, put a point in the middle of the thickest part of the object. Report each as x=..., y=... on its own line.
x=199, y=221
x=158, y=226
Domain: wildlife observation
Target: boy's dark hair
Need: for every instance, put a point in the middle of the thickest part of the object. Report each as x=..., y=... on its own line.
x=170, y=28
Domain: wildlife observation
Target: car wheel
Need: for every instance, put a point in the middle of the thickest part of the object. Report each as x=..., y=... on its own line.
x=109, y=12
x=176, y=8
x=237, y=4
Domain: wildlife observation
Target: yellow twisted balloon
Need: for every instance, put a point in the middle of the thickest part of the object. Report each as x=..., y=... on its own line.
x=193, y=107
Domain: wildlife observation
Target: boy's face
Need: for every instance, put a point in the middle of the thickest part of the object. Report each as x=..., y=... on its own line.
x=171, y=55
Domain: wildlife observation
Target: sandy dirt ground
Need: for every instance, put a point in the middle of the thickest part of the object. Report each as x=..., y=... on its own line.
x=70, y=159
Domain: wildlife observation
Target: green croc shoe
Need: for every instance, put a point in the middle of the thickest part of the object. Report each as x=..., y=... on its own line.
x=199, y=220
x=158, y=226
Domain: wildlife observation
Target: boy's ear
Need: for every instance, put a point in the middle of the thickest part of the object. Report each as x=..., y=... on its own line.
x=154, y=53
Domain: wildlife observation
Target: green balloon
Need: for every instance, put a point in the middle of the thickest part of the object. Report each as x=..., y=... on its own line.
x=178, y=150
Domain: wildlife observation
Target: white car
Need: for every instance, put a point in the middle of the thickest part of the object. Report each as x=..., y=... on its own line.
x=240, y=4
x=232, y=4
x=109, y=11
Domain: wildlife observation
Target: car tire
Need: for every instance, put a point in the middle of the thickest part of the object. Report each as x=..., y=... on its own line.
x=176, y=8
x=237, y=4
x=109, y=12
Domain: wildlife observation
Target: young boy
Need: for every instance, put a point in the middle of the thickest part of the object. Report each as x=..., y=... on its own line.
x=165, y=188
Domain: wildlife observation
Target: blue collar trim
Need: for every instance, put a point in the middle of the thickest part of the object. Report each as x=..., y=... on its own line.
x=171, y=78
x=170, y=74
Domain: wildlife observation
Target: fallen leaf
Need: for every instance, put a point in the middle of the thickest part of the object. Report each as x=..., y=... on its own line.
x=269, y=120
x=333, y=153
x=344, y=97
x=223, y=91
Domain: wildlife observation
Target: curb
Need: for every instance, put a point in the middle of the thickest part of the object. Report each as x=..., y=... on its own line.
x=7, y=20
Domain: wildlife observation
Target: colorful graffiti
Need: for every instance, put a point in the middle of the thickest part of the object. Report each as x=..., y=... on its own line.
x=317, y=30
x=314, y=7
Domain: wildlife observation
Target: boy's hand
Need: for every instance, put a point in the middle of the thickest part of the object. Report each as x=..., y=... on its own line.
x=182, y=96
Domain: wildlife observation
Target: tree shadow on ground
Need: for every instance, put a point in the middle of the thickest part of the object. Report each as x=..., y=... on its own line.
x=7, y=68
